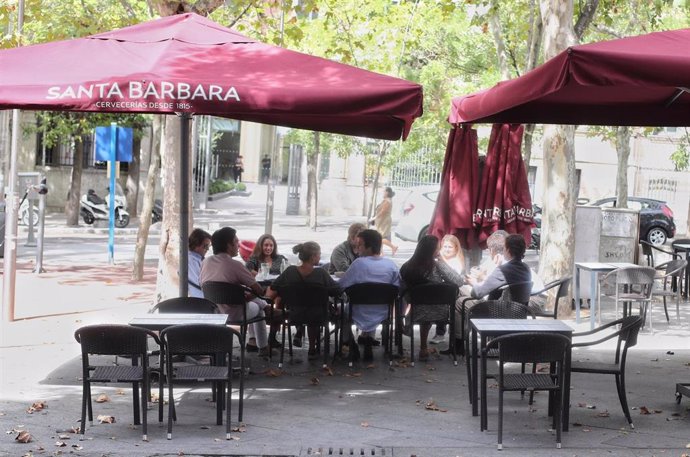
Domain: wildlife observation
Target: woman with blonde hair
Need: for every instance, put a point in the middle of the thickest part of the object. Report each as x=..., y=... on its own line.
x=451, y=254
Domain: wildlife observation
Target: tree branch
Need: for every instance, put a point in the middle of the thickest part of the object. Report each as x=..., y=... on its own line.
x=585, y=18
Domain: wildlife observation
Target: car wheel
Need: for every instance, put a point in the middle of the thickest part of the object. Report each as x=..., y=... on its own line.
x=423, y=232
x=656, y=236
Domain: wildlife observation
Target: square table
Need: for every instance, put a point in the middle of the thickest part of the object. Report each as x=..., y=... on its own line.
x=161, y=321
x=595, y=268
x=498, y=327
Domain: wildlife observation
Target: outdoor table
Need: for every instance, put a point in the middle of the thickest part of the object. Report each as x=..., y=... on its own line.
x=684, y=247
x=158, y=322
x=498, y=327
x=595, y=268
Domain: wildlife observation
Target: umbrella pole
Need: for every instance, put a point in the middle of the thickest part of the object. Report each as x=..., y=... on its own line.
x=184, y=202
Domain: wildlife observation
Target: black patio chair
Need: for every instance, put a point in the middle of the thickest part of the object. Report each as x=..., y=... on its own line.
x=519, y=292
x=309, y=305
x=370, y=294
x=432, y=303
x=234, y=297
x=561, y=288
x=490, y=309
x=217, y=342
x=534, y=348
x=116, y=340
x=627, y=338
x=185, y=305
x=648, y=251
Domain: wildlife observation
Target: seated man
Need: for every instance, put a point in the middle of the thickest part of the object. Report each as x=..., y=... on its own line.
x=222, y=267
x=370, y=266
x=345, y=253
x=512, y=271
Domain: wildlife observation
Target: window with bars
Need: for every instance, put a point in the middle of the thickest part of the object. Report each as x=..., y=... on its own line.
x=62, y=154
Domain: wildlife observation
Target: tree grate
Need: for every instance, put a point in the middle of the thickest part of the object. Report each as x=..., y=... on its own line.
x=342, y=451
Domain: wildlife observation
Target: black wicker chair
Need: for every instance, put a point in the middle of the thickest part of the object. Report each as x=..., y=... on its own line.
x=202, y=339
x=185, y=305
x=233, y=296
x=648, y=251
x=490, y=309
x=368, y=294
x=561, y=286
x=627, y=338
x=531, y=348
x=306, y=304
x=431, y=303
x=116, y=340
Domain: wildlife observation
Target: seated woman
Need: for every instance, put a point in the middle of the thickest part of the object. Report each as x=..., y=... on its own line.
x=422, y=268
x=310, y=255
x=265, y=251
x=452, y=255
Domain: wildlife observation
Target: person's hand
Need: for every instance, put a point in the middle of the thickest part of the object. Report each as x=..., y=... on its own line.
x=254, y=272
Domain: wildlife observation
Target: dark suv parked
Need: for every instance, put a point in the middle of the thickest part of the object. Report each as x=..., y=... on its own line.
x=656, y=218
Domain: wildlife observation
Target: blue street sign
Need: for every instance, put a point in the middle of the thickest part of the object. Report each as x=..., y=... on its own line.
x=125, y=144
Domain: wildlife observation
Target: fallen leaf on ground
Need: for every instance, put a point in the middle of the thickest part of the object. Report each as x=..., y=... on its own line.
x=328, y=371
x=370, y=366
x=64, y=437
x=23, y=437
x=103, y=419
x=364, y=424
x=120, y=392
x=68, y=430
x=315, y=381
x=432, y=406
x=431, y=368
x=430, y=381
x=102, y=398
x=271, y=373
x=603, y=414
x=585, y=429
x=60, y=444
x=37, y=406
x=77, y=447
x=353, y=375
x=585, y=405
x=240, y=429
x=644, y=410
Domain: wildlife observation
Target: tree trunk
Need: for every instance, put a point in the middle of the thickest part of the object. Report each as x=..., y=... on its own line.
x=132, y=191
x=312, y=181
x=168, y=281
x=149, y=194
x=527, y=145
x=74, y=192
x=495, y=27
x=558, y=214
x=623, y=153
x=383, y=147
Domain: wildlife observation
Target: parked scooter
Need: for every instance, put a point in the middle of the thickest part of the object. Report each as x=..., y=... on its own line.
x=23, y=216
x=157, y=212
x=93, y=207
x=536, y=231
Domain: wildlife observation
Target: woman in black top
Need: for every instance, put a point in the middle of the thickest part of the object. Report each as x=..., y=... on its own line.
x=265, y=251
x=310, y=273
x=422, y=268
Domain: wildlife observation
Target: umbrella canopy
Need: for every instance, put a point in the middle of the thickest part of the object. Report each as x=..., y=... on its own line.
x=636, y=81
x=504, y=201
x=456, y=200
x=187, y=63
x=191, y=65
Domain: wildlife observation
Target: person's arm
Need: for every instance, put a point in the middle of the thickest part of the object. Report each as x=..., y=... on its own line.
x=495, y=280
x=350, y=276
x=252, y=265
x=448, y=273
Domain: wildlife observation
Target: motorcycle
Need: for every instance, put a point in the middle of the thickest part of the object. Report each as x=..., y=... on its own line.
x=93, y=207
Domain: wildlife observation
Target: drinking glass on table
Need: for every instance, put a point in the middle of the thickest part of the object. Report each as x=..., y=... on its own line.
x=264, y=271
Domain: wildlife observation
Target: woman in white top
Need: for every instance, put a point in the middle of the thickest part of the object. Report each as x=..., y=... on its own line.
x=451, y=253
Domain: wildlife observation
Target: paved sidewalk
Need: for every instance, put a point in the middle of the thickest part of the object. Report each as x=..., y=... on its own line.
x=303, y=410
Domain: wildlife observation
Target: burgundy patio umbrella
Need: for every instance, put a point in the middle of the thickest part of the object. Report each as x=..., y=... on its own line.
x=504, y=200
x=635, y=81
x=457, y=198
x=191, y=65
